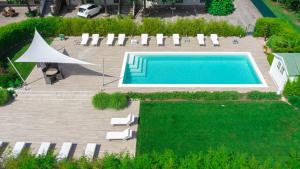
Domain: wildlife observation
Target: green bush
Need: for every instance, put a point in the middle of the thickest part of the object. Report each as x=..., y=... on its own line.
x=287, y=43
x=115, y=101
x=212, y=159
x=295, y=101
x=221, y=7
x=5, y=96
x=256, y=95
x=270, y=26
x=227, y=95
x=270, y=58
x=292, y=88
x=101, y=100
x=118, y=101
x=282, y=37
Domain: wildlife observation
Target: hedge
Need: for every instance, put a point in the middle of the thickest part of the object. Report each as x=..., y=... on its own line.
x=270, y=26
x=256, y=95
x=204, y=95
x=5, y=96
x=282, y=37
x=212, y=159
x=295, y=101
x=292, y=88
x=227, y=95
x=21, y=32
x=115, y=101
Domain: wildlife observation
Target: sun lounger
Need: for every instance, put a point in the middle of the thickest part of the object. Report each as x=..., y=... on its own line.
x=123, y=121
x=110, y=39
x=44, y=148
x=90, y=150
x=144, y=39
x=121, y=39
x=95, y=39
x=200, y=38
x=119, y=135
x=64, y=151
x=160, y=39
x=215, y=40
x=18, y=148
x=176, y=39
x=84, y=39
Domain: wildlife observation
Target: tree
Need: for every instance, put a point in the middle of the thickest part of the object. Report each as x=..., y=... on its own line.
x=221, y=7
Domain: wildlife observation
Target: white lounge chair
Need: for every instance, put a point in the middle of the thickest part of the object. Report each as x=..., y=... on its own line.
x=110, y=39
x=121, y=39
x=123, y=121
x=18, y=148
x=64, y=151
x=95, y=39
x=160, y=39
x=215, y=40
x=201, y=38
x=84, y=39
x=176, y=39
x=119, y=135
x=144, y=39
x=90, y=150
x=44, y=148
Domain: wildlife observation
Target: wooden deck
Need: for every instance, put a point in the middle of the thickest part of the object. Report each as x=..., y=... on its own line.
x=37, y=117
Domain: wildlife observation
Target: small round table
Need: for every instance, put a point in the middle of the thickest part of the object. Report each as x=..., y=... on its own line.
x=51, y=71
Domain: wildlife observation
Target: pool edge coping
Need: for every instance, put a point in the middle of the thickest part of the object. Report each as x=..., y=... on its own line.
x=257, y=71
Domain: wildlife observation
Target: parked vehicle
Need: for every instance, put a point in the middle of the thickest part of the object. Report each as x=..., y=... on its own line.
x=88, y=10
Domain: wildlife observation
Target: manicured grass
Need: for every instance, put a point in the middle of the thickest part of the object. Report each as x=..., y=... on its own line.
x=281, y=12
x=262, y=129
x=24, y=68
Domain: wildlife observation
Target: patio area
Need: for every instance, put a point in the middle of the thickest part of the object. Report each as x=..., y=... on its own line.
x=62, y=112
x=89, y=77
x=58, y=117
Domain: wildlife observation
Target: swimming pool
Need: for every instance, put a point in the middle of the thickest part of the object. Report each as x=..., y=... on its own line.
x=190, y=69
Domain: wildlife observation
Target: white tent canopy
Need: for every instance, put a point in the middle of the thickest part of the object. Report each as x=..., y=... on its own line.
x=39, y=51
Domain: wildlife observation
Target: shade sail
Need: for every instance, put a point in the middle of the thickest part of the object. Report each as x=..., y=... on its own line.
x=39, y=51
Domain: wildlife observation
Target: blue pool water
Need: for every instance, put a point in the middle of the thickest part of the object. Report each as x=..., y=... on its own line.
x=189, y=69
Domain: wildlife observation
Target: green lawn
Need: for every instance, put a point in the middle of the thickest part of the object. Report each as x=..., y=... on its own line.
x=262, y=129
x=281, y=12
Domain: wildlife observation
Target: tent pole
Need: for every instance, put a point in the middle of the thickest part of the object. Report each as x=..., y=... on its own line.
x=16, y=71
x=103, y=72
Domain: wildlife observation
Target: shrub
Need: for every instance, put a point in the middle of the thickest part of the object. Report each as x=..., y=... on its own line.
x=270, y=58
x=295, y=101
x=270, y=26
x=286, y=43
x=282, y=37
x=101, y=100
x=115, y=101
x=227, y=95
x=292, y=88
x=5, y=96
x=118, y=101
x=256, y=95
x=220, y=158
x=221, y=7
